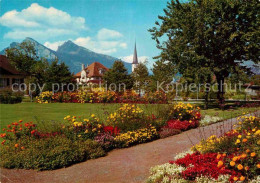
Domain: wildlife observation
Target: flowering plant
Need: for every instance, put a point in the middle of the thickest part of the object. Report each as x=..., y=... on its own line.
x=137, y=136
x=128, y=117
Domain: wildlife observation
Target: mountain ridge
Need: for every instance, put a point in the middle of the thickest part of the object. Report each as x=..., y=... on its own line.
x=71, y=54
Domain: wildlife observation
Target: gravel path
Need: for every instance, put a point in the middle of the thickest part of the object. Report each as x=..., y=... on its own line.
x=121, y=165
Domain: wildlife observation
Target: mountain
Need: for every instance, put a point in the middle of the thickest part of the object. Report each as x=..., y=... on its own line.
x=71, y=54
x=41, y=50
x=74, y=55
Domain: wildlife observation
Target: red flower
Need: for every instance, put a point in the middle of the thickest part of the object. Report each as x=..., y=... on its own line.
x=33, y=132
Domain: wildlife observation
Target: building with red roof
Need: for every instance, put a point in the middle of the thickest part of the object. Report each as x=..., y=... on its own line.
x=9, y=75
x=91, y=74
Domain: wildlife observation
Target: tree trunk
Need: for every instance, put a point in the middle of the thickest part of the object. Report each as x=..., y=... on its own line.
x=221, y=90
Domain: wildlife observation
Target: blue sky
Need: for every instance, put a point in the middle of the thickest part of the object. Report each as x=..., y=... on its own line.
x=104, y=26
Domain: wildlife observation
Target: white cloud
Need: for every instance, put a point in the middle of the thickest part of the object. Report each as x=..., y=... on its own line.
x=54, y=46
x=107, y=34
x=130, y=58
x=40, y=22
x=99, y=46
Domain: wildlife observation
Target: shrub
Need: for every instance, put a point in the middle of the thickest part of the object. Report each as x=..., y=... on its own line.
x=128, y=117
x=9, y=97
x=48, y=153
x=106, y=140
x=179, y=111
x=136, y=137
x=167, y=132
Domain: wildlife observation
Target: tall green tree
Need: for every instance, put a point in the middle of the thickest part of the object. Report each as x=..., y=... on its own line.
x=163, y=71
x=141, y=77
x=57, y=73
x=39, y=71
x=117, y=77
x=215, y=34
x=23, y=57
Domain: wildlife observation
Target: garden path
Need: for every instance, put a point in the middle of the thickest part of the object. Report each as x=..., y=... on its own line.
x=120, y=165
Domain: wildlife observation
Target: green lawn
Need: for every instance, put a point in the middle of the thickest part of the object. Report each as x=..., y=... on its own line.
x=45, y=114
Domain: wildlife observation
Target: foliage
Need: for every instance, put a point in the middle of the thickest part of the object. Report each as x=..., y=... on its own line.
x=136, y=137
x=163, y=72
x=39, y=70
x=210, y=30
x=118, y=76
x=9, y=97
x=47, y=153
x=232, y=157
x=92, y=96
x=128, y=117
x=141, y=77
x=209, y=120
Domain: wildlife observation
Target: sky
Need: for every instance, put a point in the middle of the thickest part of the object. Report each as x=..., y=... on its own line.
x=104, y=26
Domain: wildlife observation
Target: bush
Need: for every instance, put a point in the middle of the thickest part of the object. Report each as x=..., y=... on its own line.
x=167, y=132
x=9, y=97
x=48, y=153
x=128, y=117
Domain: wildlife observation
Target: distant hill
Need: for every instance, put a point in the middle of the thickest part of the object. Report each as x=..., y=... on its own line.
x=72, y=55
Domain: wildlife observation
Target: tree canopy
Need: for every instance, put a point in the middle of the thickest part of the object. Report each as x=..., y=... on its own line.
x=215, y=34
x=117, y=76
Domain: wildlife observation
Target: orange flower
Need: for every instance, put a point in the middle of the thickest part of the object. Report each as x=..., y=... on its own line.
x=243, y=155
x=3, y=135
x=244, y=140
x=235, y=178
x=3, y=143
x=240, y=167
x=247, y=151
x=235, y=158
x=218, y=156
x=247, y=168
x=252, y=154
x=22, y=148
x=224, y=155
x=20, y=121
x=242, y=178
x=258, y=165
x=16, y=145
x=220, y=164
x=232, y=163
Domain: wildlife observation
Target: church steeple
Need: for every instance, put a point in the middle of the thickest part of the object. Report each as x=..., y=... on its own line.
x=135, y=58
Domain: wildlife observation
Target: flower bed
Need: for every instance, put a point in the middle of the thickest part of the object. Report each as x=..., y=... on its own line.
x=92, y=96
x=233, y=157
x=26, y=146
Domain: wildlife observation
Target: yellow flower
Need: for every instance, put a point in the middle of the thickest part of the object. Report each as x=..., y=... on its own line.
x=238, y=141
x=240, y=167
x=232, y=163
x=239, y=136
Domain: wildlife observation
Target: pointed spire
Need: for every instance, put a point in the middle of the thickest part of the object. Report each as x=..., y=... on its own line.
x=135, y=58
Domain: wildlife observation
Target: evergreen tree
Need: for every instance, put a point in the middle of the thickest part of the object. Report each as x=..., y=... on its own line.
x=117, y=77
x=141, y=77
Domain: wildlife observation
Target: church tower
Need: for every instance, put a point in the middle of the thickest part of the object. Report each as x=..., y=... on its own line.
x=135, y=59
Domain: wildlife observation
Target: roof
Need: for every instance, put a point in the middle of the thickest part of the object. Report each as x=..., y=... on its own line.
x=5, y=64
x=93, y=70
x=135, y=58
